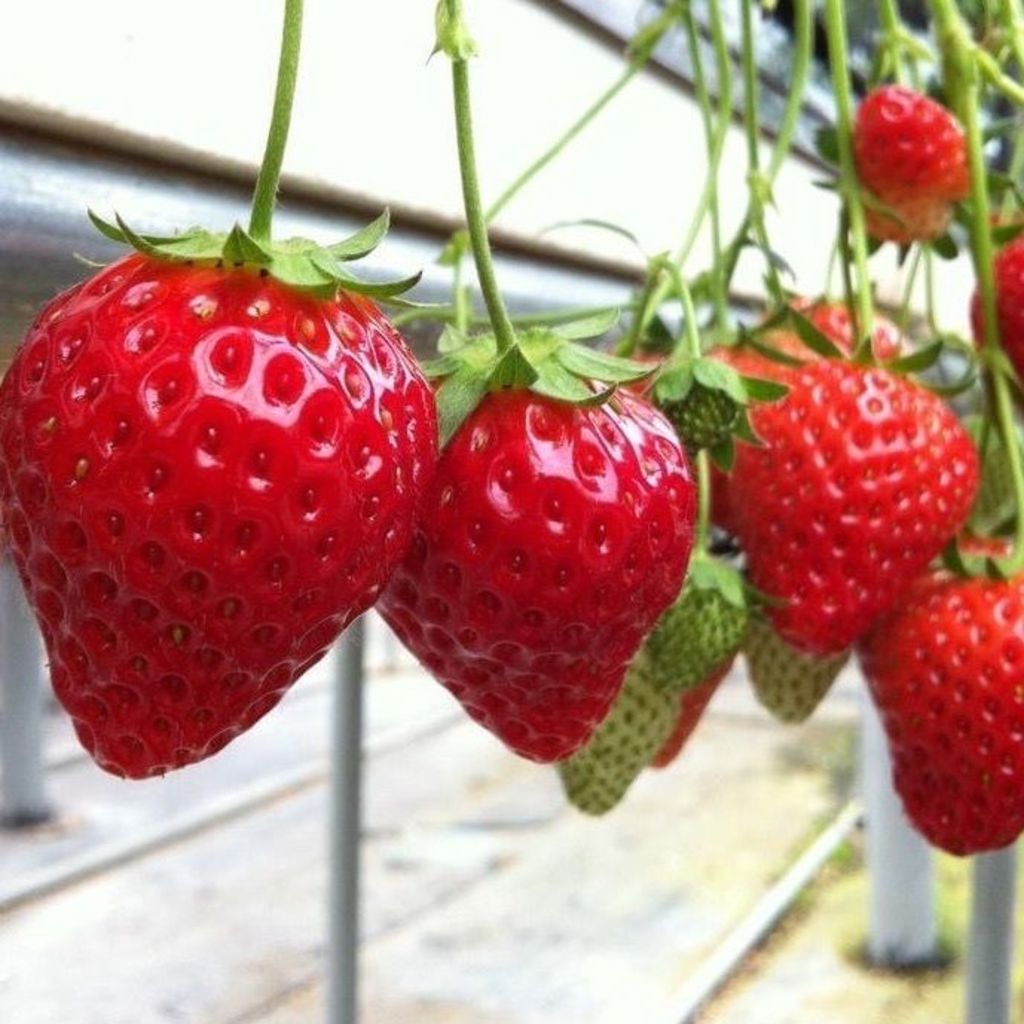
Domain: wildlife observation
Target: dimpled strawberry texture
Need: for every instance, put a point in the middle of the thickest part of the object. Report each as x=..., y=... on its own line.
x=551, y=540
x=862, y=479
x=1009, y=277
x=205, y=477
x=910, y=154
x=946, y=669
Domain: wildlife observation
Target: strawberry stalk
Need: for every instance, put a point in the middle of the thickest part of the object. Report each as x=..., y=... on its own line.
x=838, y=47
x=265, y=195
x=760, y=188
x=962, y=79
x=476, y=221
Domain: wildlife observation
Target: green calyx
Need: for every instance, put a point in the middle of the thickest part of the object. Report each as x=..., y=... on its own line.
x=707, y=402
x=453, y=38
x=545, y=360
x=296, y=262
x=704, y=627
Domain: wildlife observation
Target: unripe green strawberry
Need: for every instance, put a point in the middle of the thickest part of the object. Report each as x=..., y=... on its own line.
x=702, y=629
x=597, y=777
x=706, y=418
x=789, y=683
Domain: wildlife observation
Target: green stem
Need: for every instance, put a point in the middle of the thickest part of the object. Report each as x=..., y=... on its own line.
x=961, y=74
x=838, y=48
x=265, y=195
x=475, y=220
x=559, y=147
x=658, y=288
x=892, y=30
x=1015, y=170
x=757, y=184
x=718, y=293
x=929, y=292
x=908, y=290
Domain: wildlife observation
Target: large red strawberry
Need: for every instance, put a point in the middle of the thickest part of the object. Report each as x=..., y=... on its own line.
x=862, y=478
x=1009, y=278
x=946, y=668
x=911, y=155
x=551, y=540
x=206, y=475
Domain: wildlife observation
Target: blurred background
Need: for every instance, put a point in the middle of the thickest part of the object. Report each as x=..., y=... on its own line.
x=201, y=898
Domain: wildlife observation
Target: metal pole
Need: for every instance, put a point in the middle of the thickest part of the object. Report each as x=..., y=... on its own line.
x=902, y=928
x=23, y=798
x=990, y=946
x=343, y=863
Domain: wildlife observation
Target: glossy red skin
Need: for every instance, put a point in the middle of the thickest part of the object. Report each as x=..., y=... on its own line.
x=692, y=706
x=1009, y=275
x=205, y=477
x=946, y=668
x=911, y=155
x=862, y=479
x=551, y=540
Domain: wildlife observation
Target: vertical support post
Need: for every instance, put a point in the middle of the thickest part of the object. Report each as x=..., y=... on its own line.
x=23, y=797
x=990, y=945
x=345, y=820
x=902, y=928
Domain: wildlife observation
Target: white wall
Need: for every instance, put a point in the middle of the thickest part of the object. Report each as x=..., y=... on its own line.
x=374, y=116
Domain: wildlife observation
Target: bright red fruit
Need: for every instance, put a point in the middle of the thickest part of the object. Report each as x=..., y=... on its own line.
x=833, y=320
x=945, y=668
x=1009, y=275
x=552, y=538
x=862, y=479
x=693, y=704
x=205, y=476
x=911, y=155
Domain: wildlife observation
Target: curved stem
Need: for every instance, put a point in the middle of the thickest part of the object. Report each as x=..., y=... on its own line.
x=265, y=195
x=719, y=296
x=961, y=79
x=475, y=220
x=556, y=150
x=838, y=47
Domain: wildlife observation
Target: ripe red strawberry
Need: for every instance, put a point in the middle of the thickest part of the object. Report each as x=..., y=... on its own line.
x=1009, y=275
x=911, y=155
x=833, y=320
x=551, y=540
x=693, y=704
x=206, y=476
x=862, y=479
x=945, y=670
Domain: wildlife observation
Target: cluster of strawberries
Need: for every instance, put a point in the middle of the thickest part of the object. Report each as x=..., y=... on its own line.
x=208, y=471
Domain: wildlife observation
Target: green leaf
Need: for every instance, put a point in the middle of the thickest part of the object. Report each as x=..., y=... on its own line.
x=1007, y=232
x=451, y=339
x=363, y=242
x=512, y=370
x=105, y=228
x=812, y=337
x=918, y=361
x=457, y=397
x=772, y=354
x=595, y=365
x=554, y=381
x=603, y=225
x=743, y=430
x=716, y=376
x=588, y=327
x=945, y=247
x=953, y=559
x=453, y=37
x=826, y=142
x=299, y=271
x=674, y=383
x=958, y=387
x=724, y=455
x=760, y=390
x=374, y=289
x=241, y=247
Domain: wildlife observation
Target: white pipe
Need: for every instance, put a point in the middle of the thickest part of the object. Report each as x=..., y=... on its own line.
x=990, y=946
x=345, y=824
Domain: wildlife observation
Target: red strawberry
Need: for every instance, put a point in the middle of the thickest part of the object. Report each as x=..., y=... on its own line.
x=551, y=540
x=1009, y=275
x=945, y=668
x=911, y=155
x=833, y=320
x=693, y=704
x=206, y=476
x=863, y=478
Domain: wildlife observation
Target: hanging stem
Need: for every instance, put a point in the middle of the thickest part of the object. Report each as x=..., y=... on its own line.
x=838, y=47
x=265, y=195
x=962, y=81
x=475, y=220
